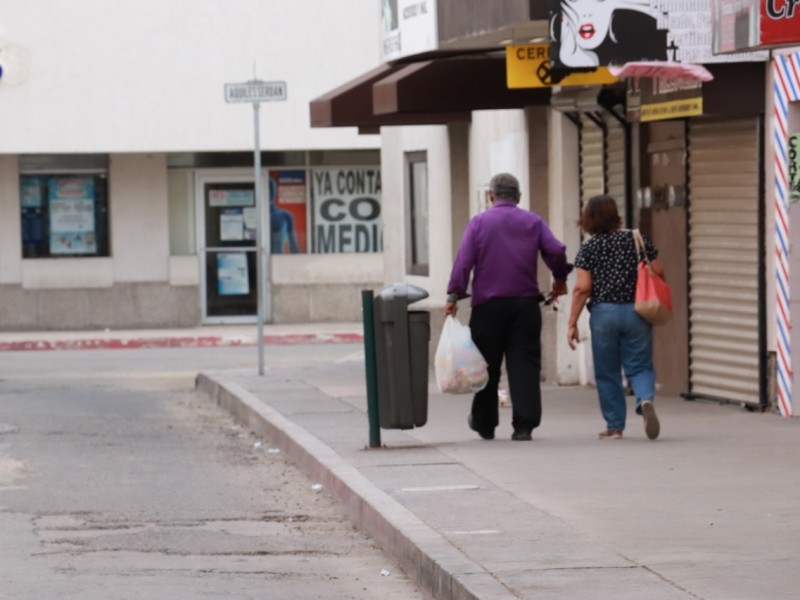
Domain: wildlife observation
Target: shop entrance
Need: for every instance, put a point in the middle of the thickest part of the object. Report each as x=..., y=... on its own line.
x=227, y=220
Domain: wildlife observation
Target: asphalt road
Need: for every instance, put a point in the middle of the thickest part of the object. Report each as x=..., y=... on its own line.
x=118, y=481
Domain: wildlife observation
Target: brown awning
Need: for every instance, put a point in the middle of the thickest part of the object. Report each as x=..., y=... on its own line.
x=432, y=92
x=452, y=84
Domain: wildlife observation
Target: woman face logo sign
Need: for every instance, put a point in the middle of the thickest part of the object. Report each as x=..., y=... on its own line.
x=583, y=25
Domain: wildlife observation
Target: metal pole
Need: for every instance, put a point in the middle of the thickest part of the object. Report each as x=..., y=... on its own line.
x=371, y=369
x=260, y=275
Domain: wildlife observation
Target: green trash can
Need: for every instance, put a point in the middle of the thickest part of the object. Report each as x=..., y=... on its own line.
x=401, y=357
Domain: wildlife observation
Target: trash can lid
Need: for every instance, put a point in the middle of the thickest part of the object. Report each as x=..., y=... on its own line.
x=403, y=291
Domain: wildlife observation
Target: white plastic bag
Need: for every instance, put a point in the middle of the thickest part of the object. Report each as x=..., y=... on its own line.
x=459, y=365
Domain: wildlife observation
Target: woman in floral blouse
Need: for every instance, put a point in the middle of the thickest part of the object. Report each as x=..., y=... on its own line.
x=606, y=268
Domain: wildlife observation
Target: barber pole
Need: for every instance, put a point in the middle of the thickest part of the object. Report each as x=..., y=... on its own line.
x=786, y=89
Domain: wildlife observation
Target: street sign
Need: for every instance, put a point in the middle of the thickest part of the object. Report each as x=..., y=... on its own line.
x=255, y=91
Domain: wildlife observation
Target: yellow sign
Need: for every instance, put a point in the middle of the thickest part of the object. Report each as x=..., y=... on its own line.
x=530, y=67
x=674, y=109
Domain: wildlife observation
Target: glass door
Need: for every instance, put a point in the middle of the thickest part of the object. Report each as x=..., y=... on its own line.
x=229, y=259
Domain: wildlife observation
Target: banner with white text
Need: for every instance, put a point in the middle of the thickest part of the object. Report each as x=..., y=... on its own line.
x=347, y=210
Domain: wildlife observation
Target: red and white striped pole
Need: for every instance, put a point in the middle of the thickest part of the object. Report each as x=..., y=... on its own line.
x=786, y=89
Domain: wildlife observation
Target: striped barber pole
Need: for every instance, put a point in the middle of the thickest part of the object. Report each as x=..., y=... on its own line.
x=786, y=89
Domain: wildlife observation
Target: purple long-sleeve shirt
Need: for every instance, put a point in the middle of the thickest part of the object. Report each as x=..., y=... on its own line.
x=500, y=248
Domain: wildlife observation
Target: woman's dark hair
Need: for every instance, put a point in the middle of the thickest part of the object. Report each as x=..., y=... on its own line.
x=600, y=215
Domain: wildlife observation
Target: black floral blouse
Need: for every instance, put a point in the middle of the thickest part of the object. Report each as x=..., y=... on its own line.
x=611, y=260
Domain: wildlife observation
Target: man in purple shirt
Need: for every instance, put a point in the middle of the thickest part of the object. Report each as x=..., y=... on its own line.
x=500, y=248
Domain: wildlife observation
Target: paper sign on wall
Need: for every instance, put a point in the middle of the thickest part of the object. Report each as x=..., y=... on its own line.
x=794, y=167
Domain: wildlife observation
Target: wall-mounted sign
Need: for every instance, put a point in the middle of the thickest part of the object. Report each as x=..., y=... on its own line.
x=408, y=27
x=747, y=24
x=529, y=66
x=794, y=167
x=586, y=33
x=660, y=99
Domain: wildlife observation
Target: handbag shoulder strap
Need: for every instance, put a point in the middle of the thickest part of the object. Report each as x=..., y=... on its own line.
x=641, y=251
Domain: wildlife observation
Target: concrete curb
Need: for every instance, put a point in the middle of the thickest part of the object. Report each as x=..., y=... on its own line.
x=422, y=553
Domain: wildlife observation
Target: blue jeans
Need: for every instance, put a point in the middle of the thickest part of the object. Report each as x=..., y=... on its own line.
x=621, y=339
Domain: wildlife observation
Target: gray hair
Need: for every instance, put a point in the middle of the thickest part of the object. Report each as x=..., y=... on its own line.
x=505, y=186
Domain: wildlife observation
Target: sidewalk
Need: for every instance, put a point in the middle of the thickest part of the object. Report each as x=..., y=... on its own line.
x=708, y=511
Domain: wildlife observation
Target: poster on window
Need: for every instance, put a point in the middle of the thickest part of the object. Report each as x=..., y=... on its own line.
x=288, y=212
x=32, y=226
x=218, y=198
x=71, y=207
x=250, y=218
x=232, y=276
x=231, y=225
x=347, y=210
x=30, y=192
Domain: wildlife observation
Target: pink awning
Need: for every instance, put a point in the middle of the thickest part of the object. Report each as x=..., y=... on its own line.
x=662, y=70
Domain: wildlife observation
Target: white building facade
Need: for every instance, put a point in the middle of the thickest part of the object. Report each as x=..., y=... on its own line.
x=127, y=182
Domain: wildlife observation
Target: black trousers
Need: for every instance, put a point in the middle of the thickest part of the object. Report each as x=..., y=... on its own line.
x=509, y=328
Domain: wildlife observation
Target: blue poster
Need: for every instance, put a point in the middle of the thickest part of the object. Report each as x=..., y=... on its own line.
x=72, y=227
x=232, y=275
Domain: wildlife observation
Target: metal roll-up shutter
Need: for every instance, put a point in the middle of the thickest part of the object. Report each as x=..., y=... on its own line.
x=616, y=184
x=603, y=160
x=724, y=253
x=593, y=178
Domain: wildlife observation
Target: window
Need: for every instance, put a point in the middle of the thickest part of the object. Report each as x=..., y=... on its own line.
x=64, y=206
x=417, y=254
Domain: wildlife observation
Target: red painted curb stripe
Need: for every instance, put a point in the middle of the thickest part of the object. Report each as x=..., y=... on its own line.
x=178, y=342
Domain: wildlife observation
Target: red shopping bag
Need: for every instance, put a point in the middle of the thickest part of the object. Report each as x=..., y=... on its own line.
x=653, y=296
x=653, y=300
